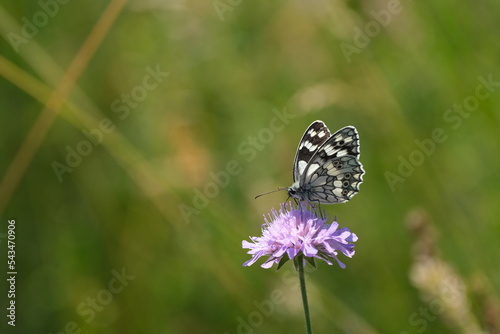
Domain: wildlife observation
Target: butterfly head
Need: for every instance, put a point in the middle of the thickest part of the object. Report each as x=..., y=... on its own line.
x=294, y=191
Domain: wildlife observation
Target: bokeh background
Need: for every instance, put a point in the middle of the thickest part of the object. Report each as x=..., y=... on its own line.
x=133, y=235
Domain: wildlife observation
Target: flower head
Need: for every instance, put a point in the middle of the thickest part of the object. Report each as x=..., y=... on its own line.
x=294, y=232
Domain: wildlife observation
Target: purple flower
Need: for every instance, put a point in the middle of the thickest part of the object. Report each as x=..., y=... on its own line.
x=298, y=231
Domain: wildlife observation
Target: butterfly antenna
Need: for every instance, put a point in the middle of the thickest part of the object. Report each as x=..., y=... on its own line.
x=272, y=191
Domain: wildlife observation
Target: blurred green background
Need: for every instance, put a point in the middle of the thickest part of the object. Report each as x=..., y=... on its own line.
x=116, y=116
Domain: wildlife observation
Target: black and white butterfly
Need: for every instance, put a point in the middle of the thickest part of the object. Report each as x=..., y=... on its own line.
x=326, y=168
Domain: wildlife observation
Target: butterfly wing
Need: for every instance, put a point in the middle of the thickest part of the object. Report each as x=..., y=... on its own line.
x=333, y=173
x=316, y=135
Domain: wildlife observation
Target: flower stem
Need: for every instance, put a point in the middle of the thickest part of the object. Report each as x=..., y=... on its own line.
x=300, y=267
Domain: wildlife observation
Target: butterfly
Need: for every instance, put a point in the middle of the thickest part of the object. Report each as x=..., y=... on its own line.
x=326, y=168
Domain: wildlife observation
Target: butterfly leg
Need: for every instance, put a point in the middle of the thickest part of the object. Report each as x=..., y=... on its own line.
x=315, y=205
x=320, y=212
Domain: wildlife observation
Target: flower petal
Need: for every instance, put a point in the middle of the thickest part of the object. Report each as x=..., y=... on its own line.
x=292, y=252
x=309, y=250
x=252, y=260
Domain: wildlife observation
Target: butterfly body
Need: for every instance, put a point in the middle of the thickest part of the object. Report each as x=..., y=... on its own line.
x=326, y=168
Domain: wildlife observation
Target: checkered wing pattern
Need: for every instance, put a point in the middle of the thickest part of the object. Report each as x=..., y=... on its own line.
x=327, y=169
x=316, y=134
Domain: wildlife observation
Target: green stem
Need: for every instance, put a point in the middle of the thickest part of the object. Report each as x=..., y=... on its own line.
x=300, y=267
